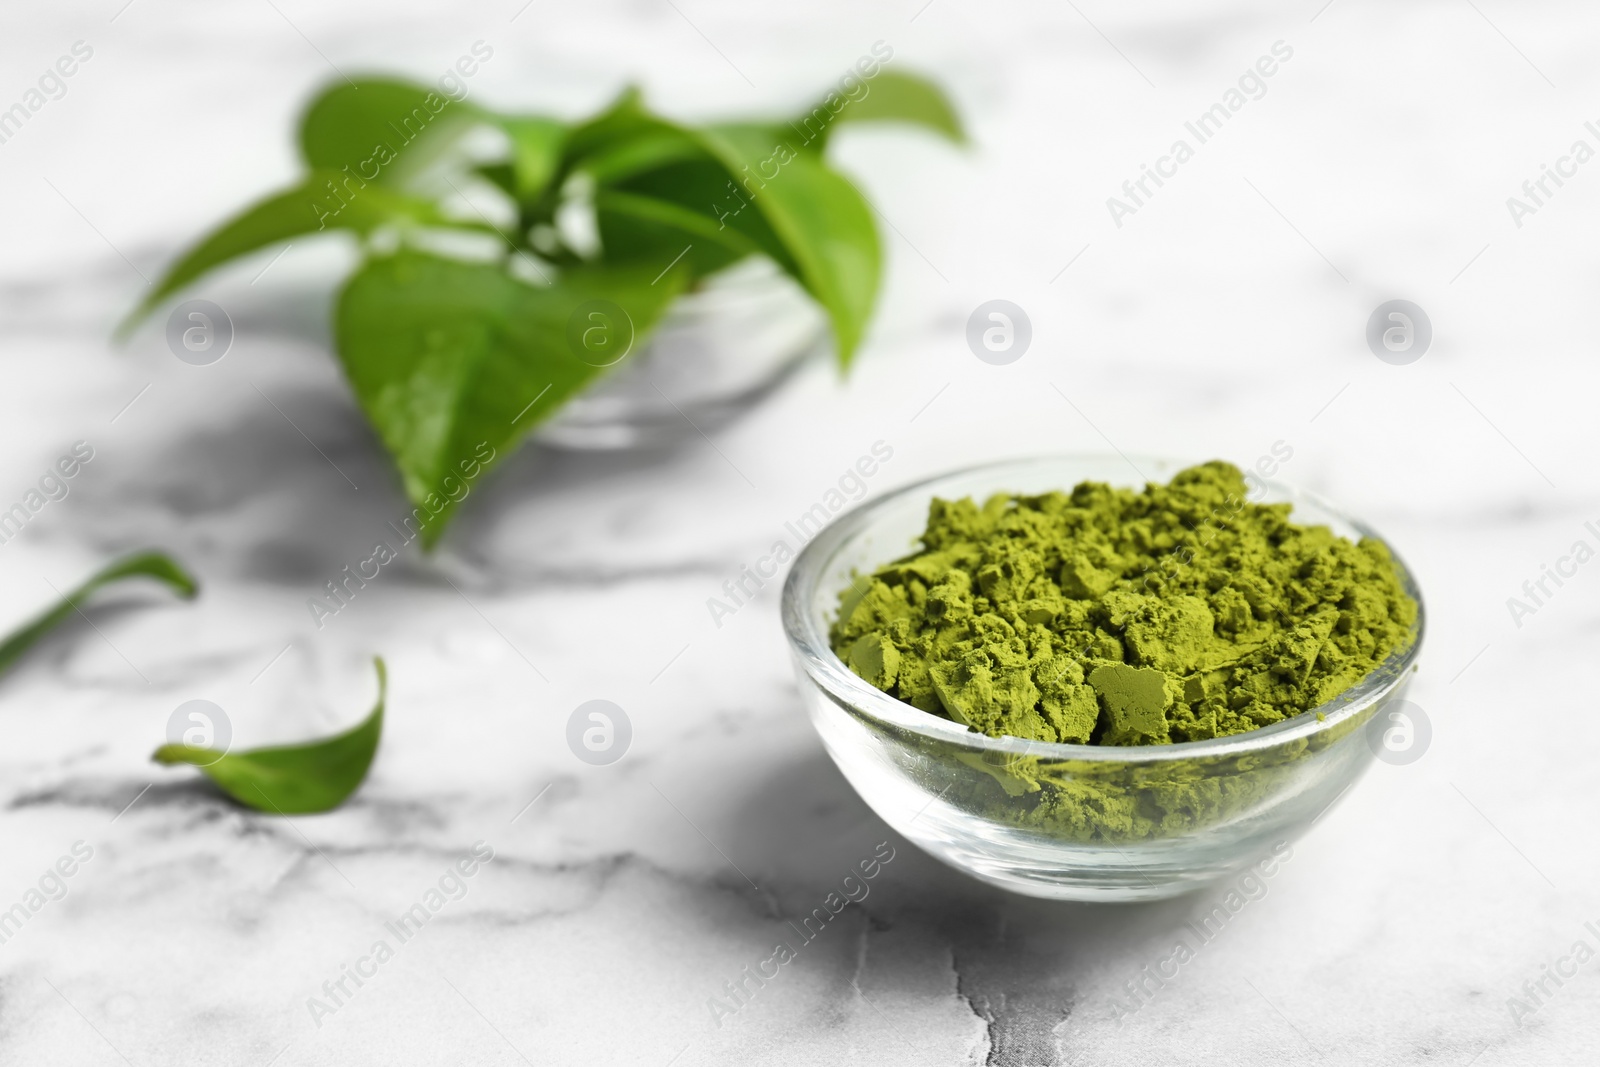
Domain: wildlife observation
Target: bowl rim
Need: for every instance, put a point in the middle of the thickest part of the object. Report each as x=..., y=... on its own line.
x=808, y=641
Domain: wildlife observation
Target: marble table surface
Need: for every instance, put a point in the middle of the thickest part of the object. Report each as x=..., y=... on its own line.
x=1224, y=314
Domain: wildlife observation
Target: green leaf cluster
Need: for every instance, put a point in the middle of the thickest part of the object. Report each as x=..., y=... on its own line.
x=449, y=352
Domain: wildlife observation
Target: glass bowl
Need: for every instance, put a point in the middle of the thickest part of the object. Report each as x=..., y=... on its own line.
x=716, y=352
x=1072, y=822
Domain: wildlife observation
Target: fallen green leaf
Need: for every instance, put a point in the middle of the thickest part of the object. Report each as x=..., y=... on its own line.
x=154, y=565
x=292, y=779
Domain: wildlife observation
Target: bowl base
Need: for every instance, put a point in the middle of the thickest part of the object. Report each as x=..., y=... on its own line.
x=1087, y=885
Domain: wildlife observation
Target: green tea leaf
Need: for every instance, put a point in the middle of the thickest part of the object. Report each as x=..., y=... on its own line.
x=704, y=187
x=535, y=152
x=292, y=779
x=644, y=229
x=628, y=148
x=749, y=177
x=379, y=129
x=626, y=121
x=156, y=565
x=322, y=200
x=501, y=176
x=824, y=223
x=645, y=152
x=454, y=362
x=892, y=96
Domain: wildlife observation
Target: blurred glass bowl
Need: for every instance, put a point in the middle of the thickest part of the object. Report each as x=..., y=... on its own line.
x=1074, y=822
x=717, y=351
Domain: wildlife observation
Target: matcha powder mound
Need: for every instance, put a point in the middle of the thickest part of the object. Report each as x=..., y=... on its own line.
x=1114, y=617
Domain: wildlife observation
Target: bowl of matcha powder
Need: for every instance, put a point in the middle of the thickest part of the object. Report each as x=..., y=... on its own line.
x=1100, y=678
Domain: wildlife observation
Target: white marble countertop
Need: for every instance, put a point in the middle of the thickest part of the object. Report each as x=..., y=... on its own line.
x=1224, y=315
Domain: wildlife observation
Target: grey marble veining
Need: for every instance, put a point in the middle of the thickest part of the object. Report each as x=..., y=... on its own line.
x=1223, y=316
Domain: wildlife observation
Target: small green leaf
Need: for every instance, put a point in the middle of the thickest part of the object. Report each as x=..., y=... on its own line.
x=626, y=120
x=629, y=148
x=454, y=362
x=292, y=779
x=823, y=221
x=379, y=129
x=808, y=218
x=500, y=175
x=154, y=565
x=644, y=229
x=535, y=152
x=322, y=200
x=704, y=186
x=645, y=152
x=892, y=96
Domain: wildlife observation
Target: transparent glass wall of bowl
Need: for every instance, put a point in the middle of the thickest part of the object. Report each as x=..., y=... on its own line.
x=1067, y=821
x=717, y=352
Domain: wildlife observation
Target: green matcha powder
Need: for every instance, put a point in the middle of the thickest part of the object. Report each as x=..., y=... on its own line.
x=1118, y=617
